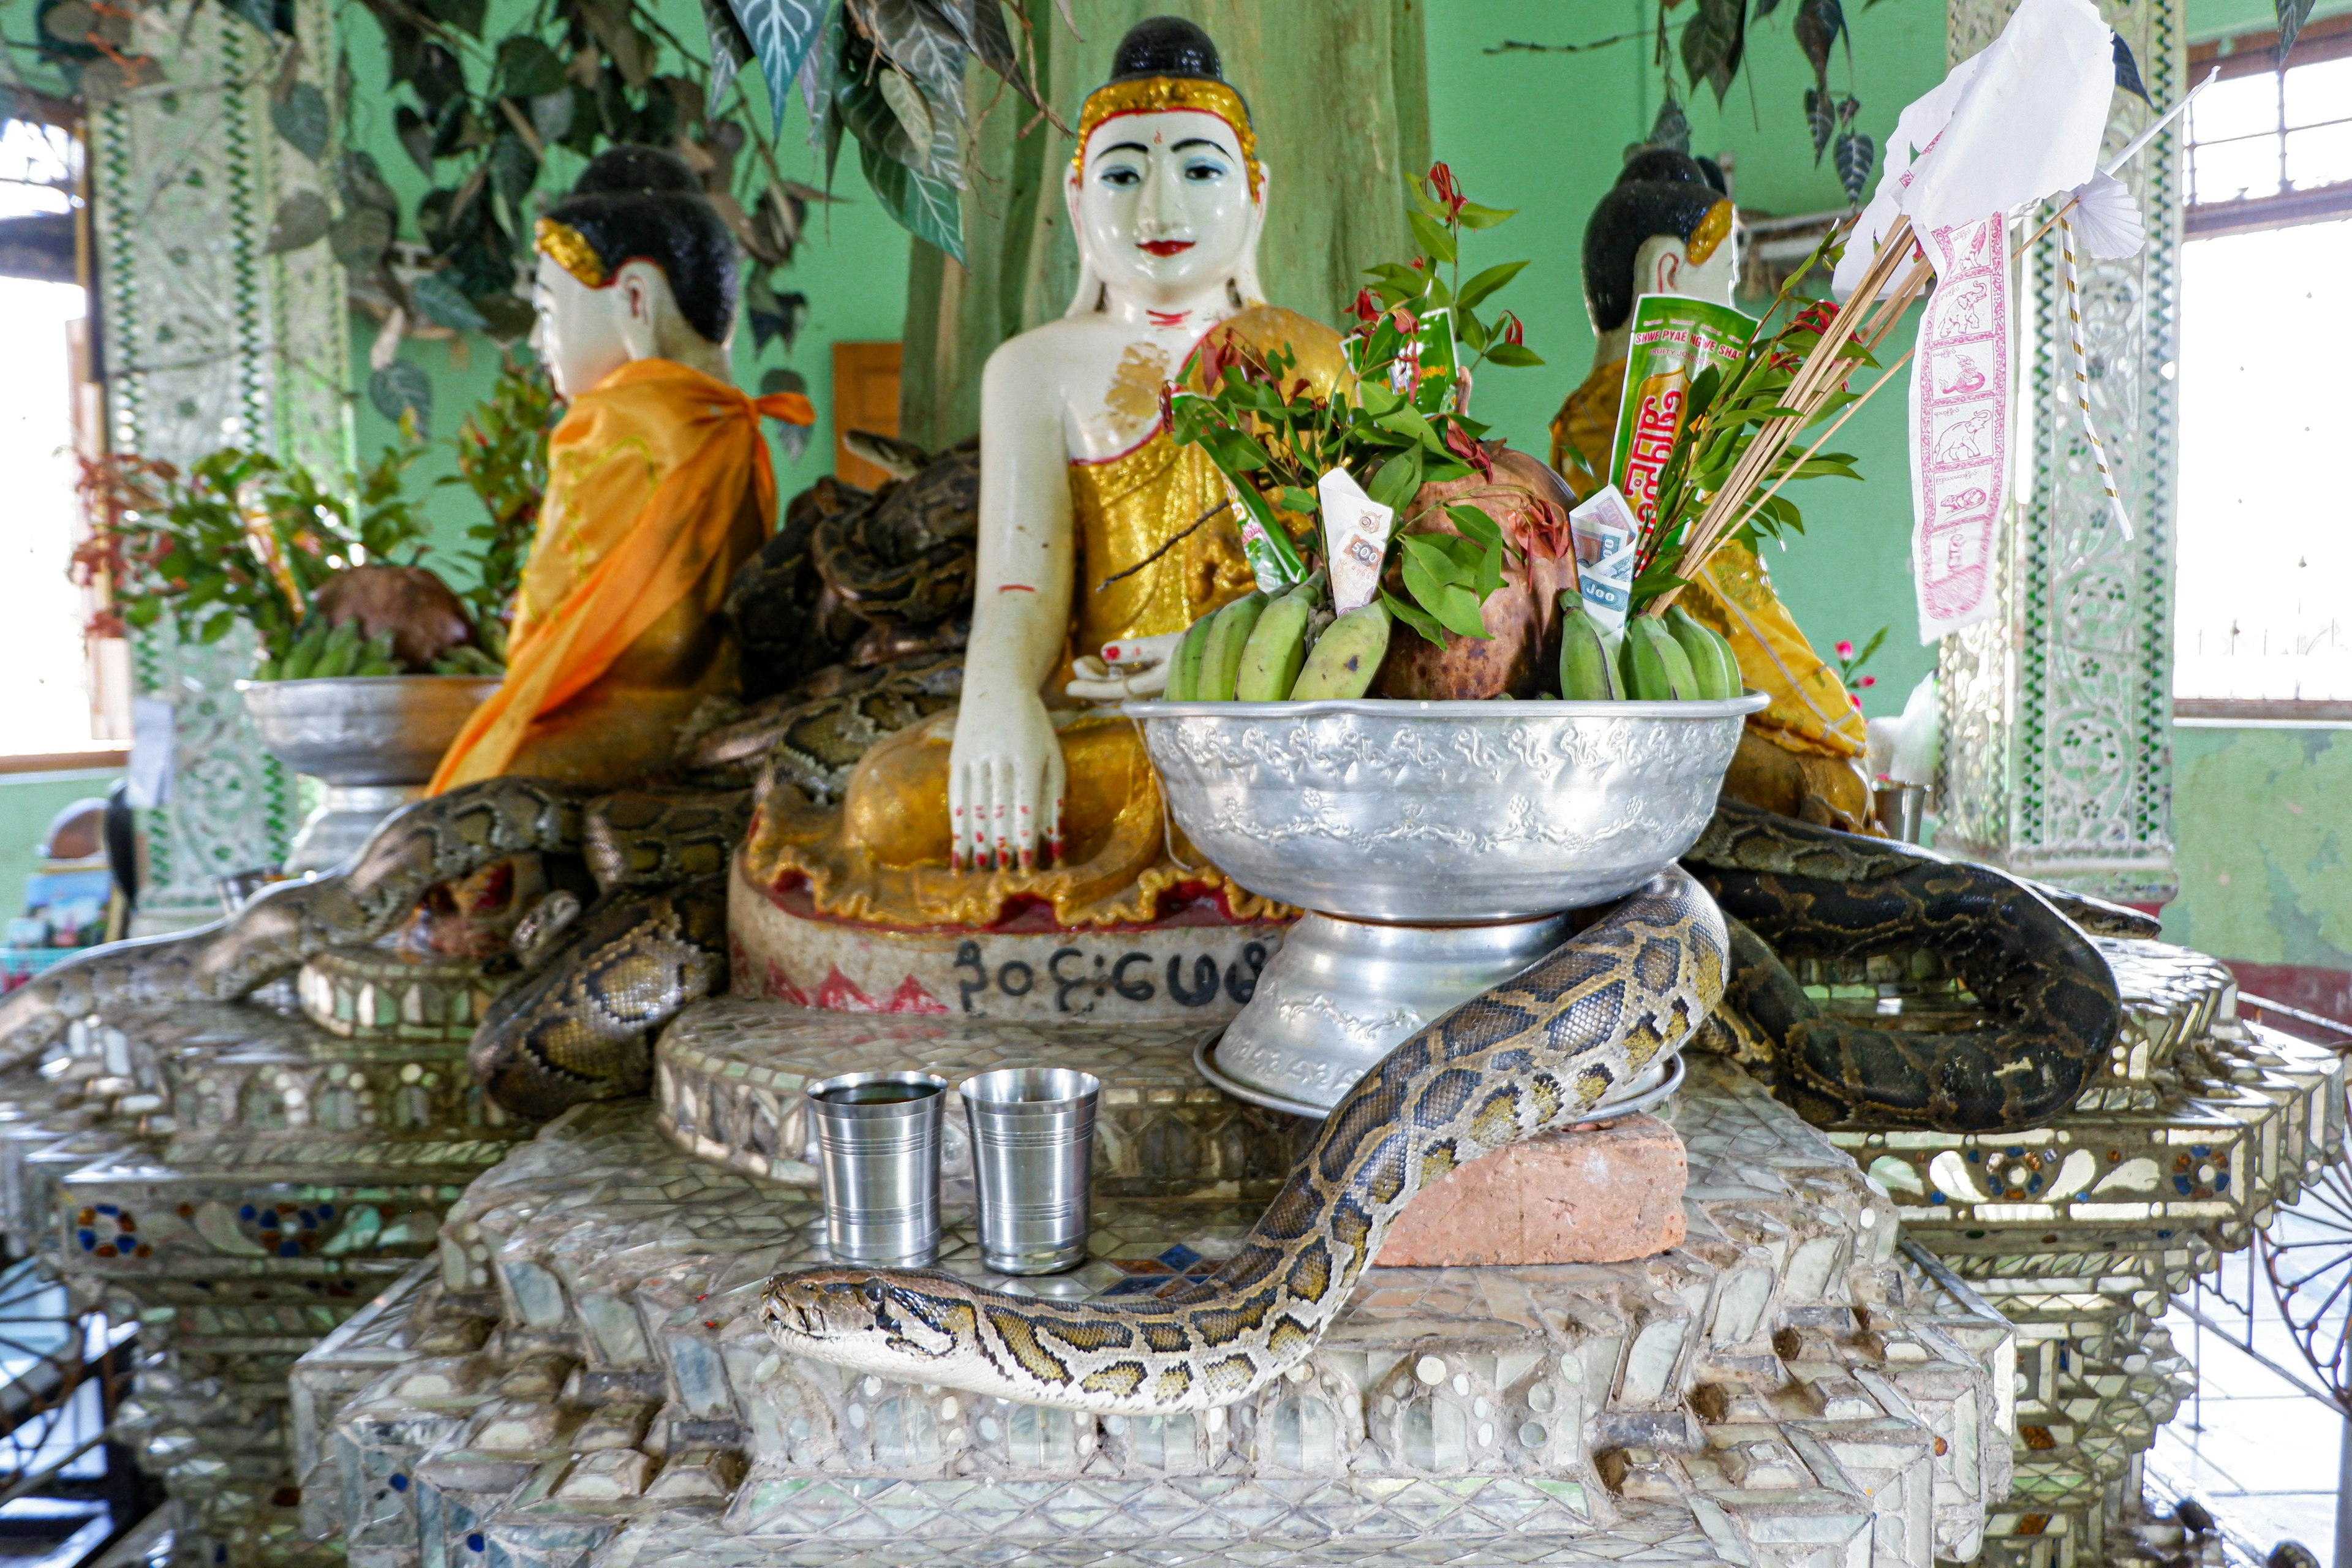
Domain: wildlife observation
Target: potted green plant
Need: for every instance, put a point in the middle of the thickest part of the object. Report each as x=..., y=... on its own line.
x=366, y=661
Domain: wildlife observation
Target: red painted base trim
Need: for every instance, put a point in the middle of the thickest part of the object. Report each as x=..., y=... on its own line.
x=2306, y=987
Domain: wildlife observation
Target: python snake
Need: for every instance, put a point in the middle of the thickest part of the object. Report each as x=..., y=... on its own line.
x=1532, y=1054
x=1793, y=890
x=422, y=844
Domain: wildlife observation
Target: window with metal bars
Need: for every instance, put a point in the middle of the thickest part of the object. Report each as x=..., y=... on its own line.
x=2261, y=632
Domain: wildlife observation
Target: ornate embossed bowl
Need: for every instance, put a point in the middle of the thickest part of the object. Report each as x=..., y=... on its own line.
x=372, y=739
x=1441, y=813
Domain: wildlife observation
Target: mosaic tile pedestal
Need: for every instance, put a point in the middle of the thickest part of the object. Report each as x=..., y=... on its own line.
x=1790, y=1386
x=2185, y=1140
x=241, y=1179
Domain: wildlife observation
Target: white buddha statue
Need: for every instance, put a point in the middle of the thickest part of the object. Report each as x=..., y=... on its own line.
x=1100, y=540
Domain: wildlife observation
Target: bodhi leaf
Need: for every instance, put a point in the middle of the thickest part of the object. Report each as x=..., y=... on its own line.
x=730, y=51
x=921, y=42
x=401, y=390
x=302, y=118
x=302, y=219
x=1856, y=155
x=780, y=33
x=439, y=300
x=925, y=207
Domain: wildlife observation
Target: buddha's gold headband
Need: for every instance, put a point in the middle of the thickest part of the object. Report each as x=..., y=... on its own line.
x=1712, y=230
x=573, y=252
x=1155, y=94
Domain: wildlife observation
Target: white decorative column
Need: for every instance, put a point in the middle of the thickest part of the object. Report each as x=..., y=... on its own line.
x=207, y=339
x=2058, y=712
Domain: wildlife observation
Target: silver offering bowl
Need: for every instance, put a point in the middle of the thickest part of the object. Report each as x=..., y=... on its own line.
x=372, y=739
x=1437, y=846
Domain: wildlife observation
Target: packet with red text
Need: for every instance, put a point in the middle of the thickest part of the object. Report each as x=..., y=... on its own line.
x=1673, y=338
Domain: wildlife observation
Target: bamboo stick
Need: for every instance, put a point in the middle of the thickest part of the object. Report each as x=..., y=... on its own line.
x=1845, y=414
x=1824, y=368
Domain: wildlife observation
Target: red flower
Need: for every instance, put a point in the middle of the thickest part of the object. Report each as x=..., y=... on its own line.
x=1366, y=308
x=1441, y=182
x=1459, y=443
x=1815, y=318
x=1868, y=680
x=1513, y=333
x=1850, y=697
x=1406, y=322
x=1845, y=648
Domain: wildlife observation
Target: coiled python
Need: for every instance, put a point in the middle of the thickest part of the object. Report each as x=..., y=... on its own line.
x=1793, y=890
x=423, y=844
x=1530, y=1056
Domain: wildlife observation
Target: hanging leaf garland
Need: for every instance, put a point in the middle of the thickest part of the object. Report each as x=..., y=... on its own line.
x=780, y=33
x=1821, y=120
x=2292, y=16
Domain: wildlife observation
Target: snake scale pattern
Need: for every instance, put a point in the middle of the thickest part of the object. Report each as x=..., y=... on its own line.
x=423, y=844
x=1793, y=890
x=1527, y=1056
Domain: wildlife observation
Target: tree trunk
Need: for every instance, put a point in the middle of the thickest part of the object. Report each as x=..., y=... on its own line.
x=1338, y=96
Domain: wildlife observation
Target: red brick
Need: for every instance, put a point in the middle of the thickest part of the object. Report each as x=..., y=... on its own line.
x=1607, y=1195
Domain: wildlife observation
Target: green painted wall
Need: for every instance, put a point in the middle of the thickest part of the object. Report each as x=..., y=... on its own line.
x=1546, y=133
x=2259, y=819
x=27, y=801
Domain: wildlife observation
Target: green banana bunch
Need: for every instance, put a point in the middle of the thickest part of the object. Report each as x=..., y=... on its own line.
x=1711, y=658
x=1654, y=667
x=308, y=644
x=338, y=655
x=1229, y=634
x=467, y=660
x=1345, y=657
x=1277, y=644
x=1184, y=664
x=1587, y=673
x=375, y=656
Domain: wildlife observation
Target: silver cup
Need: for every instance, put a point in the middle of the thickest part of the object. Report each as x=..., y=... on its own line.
x=1032, y=1135
x=877, y=1136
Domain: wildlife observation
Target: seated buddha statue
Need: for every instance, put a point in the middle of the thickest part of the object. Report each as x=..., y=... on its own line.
x=659, y=487
x=1100, y=540
x=1666, y=226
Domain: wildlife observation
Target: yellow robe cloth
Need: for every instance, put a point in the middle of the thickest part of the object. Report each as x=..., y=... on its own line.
x=658, y=488
x=883, y=855
x=1804, y=746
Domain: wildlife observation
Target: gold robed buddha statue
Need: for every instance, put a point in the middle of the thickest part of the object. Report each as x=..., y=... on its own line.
x=1666, y=227
x=1101, y=540
x=658, y=486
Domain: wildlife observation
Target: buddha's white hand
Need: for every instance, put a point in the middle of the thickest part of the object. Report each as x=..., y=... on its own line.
x=1004, y=782
x=1135, y=667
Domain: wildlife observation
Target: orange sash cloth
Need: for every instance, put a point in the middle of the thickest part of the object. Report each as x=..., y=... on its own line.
x=652, y=425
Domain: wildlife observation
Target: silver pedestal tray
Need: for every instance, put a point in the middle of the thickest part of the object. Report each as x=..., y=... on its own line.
x=1437, y=844
x=1651, y=1088
x=372, y=739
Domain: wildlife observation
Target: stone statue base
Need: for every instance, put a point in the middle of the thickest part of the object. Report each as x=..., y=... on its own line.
x=1196, y=967
x=1785, y=1389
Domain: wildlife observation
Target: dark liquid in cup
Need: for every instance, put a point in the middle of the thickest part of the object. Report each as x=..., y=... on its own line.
x=878, y=1094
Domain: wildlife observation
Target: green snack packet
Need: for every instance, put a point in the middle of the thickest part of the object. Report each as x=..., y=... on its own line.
x=1674, y=340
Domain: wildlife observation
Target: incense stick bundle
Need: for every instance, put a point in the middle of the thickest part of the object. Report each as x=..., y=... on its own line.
x=1865, y=319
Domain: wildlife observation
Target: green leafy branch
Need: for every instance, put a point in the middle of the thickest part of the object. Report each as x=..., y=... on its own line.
x=239, y=538
x=1394, y=424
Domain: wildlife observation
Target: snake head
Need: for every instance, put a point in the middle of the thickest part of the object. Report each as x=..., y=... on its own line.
x=855, y=1318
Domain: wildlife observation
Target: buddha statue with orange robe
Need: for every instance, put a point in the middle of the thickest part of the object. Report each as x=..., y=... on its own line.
x=1100, y=541
x=1667, y=227
x=659, y=487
